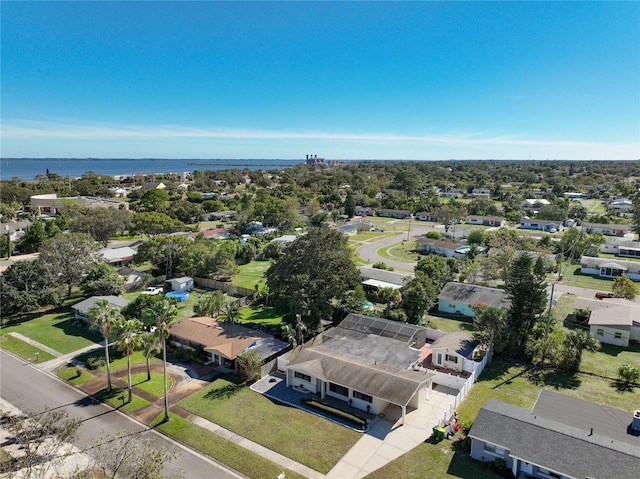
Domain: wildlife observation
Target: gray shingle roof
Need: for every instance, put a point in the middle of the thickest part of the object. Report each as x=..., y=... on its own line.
x=392, y=277
x=472, y=294
x=558, y=442
x=85, y=305
x=375, y=379
x=461, y=342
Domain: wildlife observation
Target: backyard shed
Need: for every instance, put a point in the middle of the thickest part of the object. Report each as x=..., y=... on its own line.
x=179, y=284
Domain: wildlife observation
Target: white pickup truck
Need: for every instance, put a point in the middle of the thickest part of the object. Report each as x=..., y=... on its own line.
x=153, y=290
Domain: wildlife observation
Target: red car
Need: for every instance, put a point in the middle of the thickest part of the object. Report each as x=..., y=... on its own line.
x=604, y=295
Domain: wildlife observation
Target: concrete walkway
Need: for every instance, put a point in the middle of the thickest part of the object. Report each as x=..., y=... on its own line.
x=62, y=359
x=38, y=345
x=387, y=439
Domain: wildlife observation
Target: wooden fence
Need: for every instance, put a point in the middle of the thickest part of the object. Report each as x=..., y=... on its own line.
x=225, y=286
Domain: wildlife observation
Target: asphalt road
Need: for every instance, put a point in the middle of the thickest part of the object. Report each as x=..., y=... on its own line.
x=30, y=389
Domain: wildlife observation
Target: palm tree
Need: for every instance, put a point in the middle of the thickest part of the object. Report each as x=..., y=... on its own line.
x=128, y=340
x=150, y=346
x=389, y=296
x=231, y=313
x=161, y=315
x=576, y=342
x=103, y=316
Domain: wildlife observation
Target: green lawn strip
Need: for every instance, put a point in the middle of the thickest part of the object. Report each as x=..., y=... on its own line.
x=573, y=277
x=449, y=325
x=56, y=331
x=283, y=429
x=117, y=397
x=229, y=453
x=371, y=236
x=117, y=360
x=607, y=361
x=400, y=252
x=445, y=459
x=260, y=315
x=564, y=307
x=24, y=350
x=70, y=374
x=152, y=387
x=251, y=274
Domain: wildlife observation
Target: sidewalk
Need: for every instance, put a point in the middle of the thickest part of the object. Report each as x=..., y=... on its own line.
x=38, y=345
x=62, y=359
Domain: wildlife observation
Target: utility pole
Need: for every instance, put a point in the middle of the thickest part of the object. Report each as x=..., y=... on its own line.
x=546, y=329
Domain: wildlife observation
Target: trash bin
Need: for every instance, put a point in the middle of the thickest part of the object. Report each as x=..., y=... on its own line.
x=441, y=433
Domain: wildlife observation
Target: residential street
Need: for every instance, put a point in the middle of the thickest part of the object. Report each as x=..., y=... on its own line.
x=28, y=388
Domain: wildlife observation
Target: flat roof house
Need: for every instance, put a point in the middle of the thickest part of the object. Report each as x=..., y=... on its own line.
x=459, y=298
x=606, y=229
x=370, y=363
x=543, y=225
x=495, y=221
x=561, y=437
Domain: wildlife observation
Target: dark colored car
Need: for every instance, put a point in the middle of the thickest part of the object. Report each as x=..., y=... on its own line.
x=604, y=295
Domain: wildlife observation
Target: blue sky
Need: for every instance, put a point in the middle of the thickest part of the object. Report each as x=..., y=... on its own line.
x=396, y=80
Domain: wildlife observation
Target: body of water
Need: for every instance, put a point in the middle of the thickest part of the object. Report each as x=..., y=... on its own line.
x=27, y=169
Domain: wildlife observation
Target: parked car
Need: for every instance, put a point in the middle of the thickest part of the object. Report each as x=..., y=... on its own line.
x=153, y=290
x=604, y=295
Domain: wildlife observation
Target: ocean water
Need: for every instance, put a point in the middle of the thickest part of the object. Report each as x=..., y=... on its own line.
x=27, y=169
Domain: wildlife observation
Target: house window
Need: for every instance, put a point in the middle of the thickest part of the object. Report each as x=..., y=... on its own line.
x=451, y=359
x=493, y=449
x=304, y=377
x=363, y=397
x=600, y=332
x=339, y=389
x=439, y=359
x=618, y=335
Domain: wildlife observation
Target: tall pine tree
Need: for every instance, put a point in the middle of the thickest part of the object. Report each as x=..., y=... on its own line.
x=526, y=289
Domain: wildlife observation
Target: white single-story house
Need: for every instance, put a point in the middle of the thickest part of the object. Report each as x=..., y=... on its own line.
x=626, y=249
x=459, y=298
x=561, y=437
x=374, y=279
x=612, y=320
x=543, y=225
x=621, y=205
x=347, y=229
x=401, y=214
x=223, y=341
x=607, y=268
x=450, y=350
x=439, y=247
x=606, y=229
x=426, y=216
x=118, y=257
x=451, y=194
x=369, y=363
x=82, y=309
x=365, y=211
x=496, y=221
x=184, y=283
x=481, y=193
x=535, y=203
x=152, y=185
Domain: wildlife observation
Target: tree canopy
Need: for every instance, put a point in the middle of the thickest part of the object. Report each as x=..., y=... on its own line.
x=315, y=270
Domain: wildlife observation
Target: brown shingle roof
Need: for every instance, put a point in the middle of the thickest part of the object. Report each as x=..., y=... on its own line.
x=226, y=339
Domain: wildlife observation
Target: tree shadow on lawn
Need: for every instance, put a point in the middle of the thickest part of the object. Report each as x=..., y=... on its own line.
x=612, y=350
x=554, y=378
x=19, y=318
x=70, y=328
x=498, y=368
x=622, y=387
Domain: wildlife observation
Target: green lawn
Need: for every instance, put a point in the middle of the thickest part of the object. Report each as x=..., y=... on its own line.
x=229, y=453
x=564, y=307
x=403, y=252
x=117, y=397
x=573, y=277
x=607, y=361
x=70, y=374
x=371, y=236
x=251, y=274
x=117, y=360
x=449, y=325
x=152, y=387
x=260, y=315
x=56, y=331
x=22, y=349
x=286, y=430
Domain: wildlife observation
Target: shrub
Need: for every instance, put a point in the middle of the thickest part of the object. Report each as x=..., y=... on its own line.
x=629, y=374
x=358, y=421
x=94, y=362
